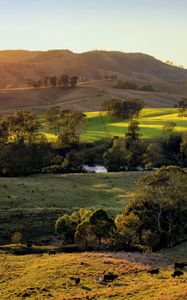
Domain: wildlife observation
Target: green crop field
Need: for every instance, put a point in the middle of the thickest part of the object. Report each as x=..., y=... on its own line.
x=151, y=120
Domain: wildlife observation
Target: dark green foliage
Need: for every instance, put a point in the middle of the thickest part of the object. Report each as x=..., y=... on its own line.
x=125, y=154
x=156, y=216
x=123, y=110
x=19, y=159
x=115, y=157
x=85, y=227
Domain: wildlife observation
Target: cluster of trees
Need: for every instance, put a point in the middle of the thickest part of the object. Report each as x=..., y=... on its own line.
x=24, y=150
x=85, y=227
x=155, y=217
x=123, y=110
x=131, y=85
x=132, y=153
x=64, y=81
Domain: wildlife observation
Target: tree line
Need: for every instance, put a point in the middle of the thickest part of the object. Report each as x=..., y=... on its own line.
x=133, y=153
x=155, y=217
x=65, y=81
x=131, y=85
x=24, y=150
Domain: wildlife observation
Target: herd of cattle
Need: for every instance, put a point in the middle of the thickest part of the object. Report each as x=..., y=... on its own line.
x=109, y=277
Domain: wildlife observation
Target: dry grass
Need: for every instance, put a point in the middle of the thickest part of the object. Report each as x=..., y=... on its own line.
x=48, y=277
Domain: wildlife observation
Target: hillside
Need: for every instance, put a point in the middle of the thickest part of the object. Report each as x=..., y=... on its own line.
x=16, y=67
x=48, y=277
x=87, y=96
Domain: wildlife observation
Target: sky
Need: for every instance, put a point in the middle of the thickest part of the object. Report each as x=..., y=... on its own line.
x=155, y=27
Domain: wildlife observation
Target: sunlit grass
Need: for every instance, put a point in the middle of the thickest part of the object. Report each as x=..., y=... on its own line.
x=151, y=121
x=48, y=277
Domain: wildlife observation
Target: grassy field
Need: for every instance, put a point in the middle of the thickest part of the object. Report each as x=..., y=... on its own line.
x=32, y=204
x=151, y=122
x=100, y=126
x=42, y=277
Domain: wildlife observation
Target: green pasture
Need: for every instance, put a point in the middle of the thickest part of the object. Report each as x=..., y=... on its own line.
x=151, y=120
x=99, y=125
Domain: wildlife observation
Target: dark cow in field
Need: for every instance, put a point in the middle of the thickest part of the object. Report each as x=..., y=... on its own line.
x=109, y=277
x=52, y=252
x=177, y=274
x=29, y=244
x=76, y=279
x=153, y=271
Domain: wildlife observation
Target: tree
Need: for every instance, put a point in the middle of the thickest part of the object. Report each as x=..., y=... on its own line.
x=168, y=128
x=23, y=125
x=53, y=118
x=102, y=225
x=129, y=85
x=114, y=157
x=133, y=147
x=83, y=234
x=4, y=131
x=20, y=159
x=67, y=224
x=127, y=232
x=64, y=81
x=183, y=149
x=170, y=143
x=154, y=156
x=160, y=205
x=73, y=123
x=53, y=81
x=73, y=81
x=66, y=227
x=46, y=81
x=123, y=110
x=182, y=107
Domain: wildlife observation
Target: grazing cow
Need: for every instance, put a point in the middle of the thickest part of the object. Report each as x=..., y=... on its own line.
x=109, y=277
x=153, y=271
x=177, y=274
x=52, y=252
x=76, y=279
x=29, y=244
x=180, y=265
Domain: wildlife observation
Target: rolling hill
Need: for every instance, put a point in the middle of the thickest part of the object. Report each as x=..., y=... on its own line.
x=16, y=67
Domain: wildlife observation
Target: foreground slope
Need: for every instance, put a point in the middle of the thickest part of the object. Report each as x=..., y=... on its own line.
x=41, y=277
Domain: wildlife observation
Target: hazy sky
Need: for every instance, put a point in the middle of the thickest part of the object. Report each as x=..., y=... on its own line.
x=156, y=27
